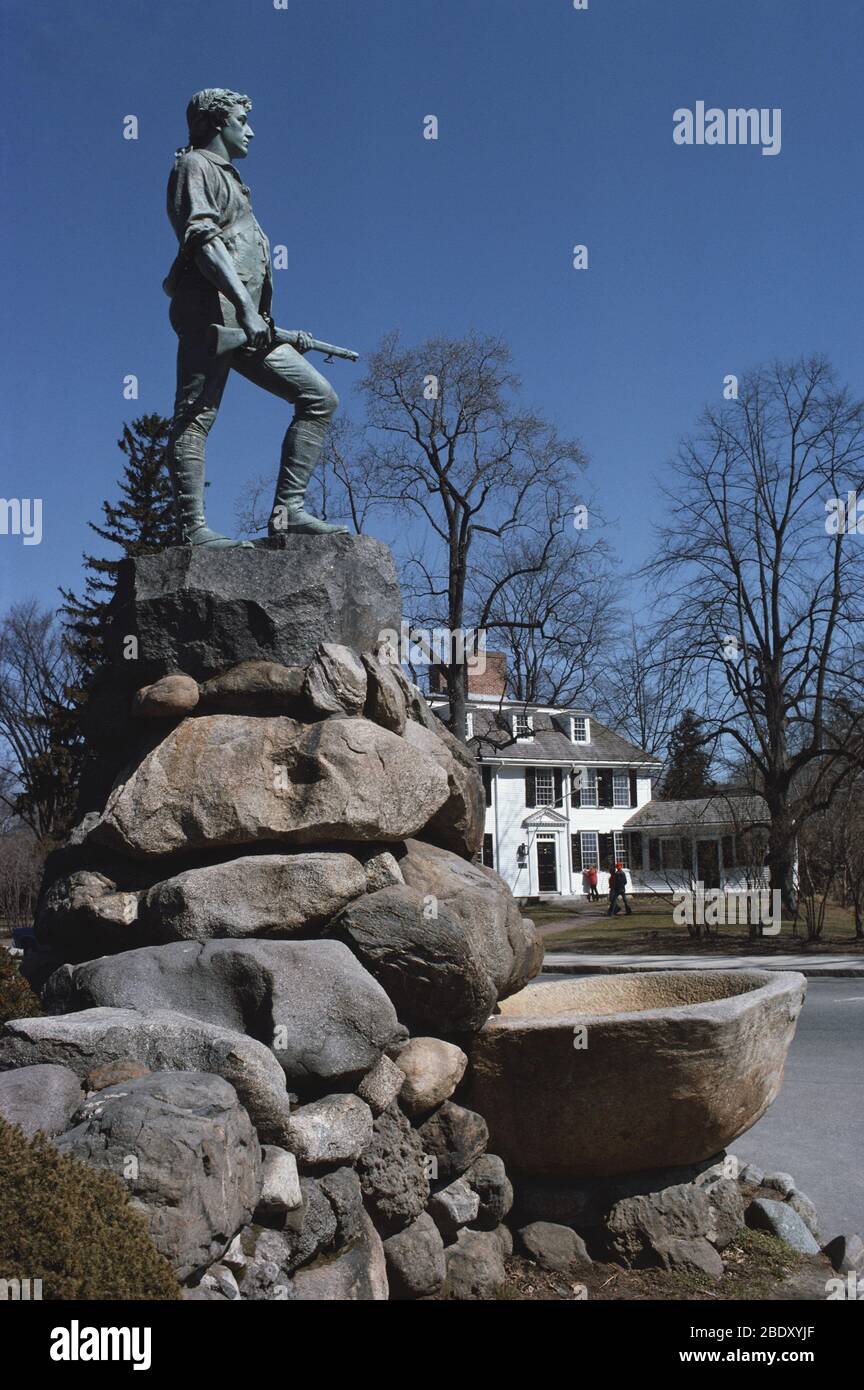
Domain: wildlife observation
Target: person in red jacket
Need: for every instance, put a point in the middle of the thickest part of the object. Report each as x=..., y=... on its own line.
x=591, y=882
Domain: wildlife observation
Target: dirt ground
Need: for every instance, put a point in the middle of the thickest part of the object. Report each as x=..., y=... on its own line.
x=758, y=1267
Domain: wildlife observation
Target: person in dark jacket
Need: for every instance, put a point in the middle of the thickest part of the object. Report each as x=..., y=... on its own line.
x=618, y=889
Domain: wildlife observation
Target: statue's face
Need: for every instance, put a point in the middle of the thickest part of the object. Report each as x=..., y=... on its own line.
x=236, y=133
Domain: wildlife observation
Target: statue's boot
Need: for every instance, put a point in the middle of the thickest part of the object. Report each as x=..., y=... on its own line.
x=187, y=478
x=300, y=453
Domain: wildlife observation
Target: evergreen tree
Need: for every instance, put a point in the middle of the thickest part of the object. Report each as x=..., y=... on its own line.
x=141, y=522
x=688, y=770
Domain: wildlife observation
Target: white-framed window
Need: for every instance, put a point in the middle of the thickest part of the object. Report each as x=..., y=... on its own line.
x=523, y=727
x=620, y=788
x=588, y=787
x=544, y=786
x=469, y=723
x=621, y=849
x=590, y=853
x=580, y=731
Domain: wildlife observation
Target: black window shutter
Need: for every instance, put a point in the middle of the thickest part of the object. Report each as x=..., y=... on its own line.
x=576, y=852
x=607, y=851
x=559, y=788
x=488, y=852
x=604, y=786
x=728, y=851
x=486, y=773
x=633, y=841
x=632, y=788
x=653, y=853
x=530, y=787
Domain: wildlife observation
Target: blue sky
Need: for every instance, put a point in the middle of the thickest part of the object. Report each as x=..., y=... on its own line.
x=555, y=129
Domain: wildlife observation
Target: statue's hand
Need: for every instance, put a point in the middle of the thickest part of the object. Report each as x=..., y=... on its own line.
x=257, y=330
x=301, y=341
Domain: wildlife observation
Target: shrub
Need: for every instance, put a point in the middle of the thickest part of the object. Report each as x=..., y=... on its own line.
x=71, y=1226
x=17, y=999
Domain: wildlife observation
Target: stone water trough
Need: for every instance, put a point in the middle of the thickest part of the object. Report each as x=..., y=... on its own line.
x=674, y=1066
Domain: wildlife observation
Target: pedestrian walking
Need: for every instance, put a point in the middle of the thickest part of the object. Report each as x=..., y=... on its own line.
x=618, y=889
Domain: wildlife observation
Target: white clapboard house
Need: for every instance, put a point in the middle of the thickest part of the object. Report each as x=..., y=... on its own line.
x=564, y=792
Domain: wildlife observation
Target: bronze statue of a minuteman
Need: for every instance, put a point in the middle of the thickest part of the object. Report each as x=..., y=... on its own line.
x=222, y=276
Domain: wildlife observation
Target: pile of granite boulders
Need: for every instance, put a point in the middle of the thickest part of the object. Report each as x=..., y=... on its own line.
x=267, y=946
x=681, y=1220
x=267, y=937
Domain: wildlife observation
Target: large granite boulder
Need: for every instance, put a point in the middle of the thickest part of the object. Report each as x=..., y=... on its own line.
x=455, y=1138
x=386, y=702
x=44, y=1097
x=459, y=924
x=505, y=941
x=336, y=681
x=782, y=1221
x=225, y=779
x=356, y=1273
x=84, y=914
x=415, y=1260
x=393, y=1173
x=460, y=822
x=335, y=1129
x=421, y=955
x=255, y=895
x=270, y=1257
x=432, y=1069
x=162, y=1041
x=475, y=1267
x=323, y=1017
x=201, y=611
x=255, y=687
x=639, y=1227
x=555, y=1248
x=280, y=1192
x=171, y=697
x=187, y=1152
x=487, y=1176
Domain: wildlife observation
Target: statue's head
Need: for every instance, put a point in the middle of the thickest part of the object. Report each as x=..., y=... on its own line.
x=219, y=111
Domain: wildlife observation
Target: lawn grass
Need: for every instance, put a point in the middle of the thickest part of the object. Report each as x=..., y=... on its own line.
x=652, y=931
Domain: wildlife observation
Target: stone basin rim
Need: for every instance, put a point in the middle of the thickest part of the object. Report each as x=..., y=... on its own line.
x=766, y=984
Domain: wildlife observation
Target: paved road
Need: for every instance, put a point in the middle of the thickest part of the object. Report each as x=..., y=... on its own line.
x=815, y=1128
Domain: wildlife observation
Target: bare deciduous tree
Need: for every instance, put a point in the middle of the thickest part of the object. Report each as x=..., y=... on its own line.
x=544, y=604
x=764, y=602
x=642, y=690
x=482, y=474
x=40, y=748
x=21, y=863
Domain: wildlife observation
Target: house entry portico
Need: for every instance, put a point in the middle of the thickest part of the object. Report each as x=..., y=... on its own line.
x=546, y=854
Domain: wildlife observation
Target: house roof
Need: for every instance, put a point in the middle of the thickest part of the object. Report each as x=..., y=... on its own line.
x=738, y=811
x=493, y=739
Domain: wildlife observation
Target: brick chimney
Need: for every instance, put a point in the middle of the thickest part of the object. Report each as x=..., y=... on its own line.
x=491, y=682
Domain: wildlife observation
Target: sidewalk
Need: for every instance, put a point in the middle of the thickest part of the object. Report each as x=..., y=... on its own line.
x=825, y=966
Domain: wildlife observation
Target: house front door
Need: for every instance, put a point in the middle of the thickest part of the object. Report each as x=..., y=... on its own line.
x=547, y=864
x=707, y=863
